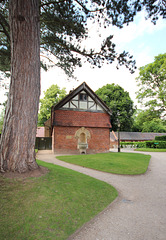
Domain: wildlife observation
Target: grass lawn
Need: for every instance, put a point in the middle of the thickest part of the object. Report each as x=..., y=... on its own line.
x=119, y=163
x=150, y=150
x=52, y=206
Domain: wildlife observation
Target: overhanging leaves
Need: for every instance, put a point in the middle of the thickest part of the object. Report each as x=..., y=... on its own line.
x=64, y=27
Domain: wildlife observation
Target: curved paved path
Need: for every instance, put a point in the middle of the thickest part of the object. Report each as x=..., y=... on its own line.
x=139, y=212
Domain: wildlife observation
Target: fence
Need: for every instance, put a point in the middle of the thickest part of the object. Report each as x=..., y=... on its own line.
x=43, y=143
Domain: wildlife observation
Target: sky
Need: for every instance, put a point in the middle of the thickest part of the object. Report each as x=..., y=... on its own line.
x=141, y=38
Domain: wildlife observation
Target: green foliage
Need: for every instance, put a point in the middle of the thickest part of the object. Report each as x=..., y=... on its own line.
x=150, y=150
x=52, y=96
x=145, y=144
x=1, y=120
x=155, y=125
x=161, y=145
x=156, y=144
x=4, y=37
x=64, y=25
x=51, y=207
x=118, y=163
x=160, y=138
x=133, y=144
x=120, y=103
x=148, y=121
x=151, y=144
x=152, y=84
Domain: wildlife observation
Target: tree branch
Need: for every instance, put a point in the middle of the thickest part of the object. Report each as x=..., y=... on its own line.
x=47, y=58
x=52, y=2
x=78, y=2
x=164, y=2
x=48, y=51
x=88, y=10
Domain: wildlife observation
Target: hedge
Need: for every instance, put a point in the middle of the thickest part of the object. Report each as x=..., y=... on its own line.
x=146, y=144
x=156, y=144
x=133, y=144
x=160, y=138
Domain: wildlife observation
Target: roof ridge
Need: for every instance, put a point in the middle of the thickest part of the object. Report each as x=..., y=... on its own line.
x=76, y=91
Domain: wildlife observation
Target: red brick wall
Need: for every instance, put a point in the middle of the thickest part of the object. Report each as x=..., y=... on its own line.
x=68, y=122
x=64, y=139
x=65, y=142
x=82, y=119
x=100, y=140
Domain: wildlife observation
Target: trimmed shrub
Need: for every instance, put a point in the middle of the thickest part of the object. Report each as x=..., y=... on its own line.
x=156, y=144
x=161, y=145
x=150, y=144
x=146, y=144
x=141, y=144
x=133, y=144
x=160, y=138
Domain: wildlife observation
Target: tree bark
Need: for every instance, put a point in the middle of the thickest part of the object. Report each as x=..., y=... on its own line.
x=17, y=151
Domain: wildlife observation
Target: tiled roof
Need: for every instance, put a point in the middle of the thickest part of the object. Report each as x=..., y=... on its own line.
x=88, y=90
x=134, y=136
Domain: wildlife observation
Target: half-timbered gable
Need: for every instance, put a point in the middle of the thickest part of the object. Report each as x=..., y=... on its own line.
x=81, y=123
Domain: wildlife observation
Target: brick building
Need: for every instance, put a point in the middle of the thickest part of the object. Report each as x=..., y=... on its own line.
x=80, y=123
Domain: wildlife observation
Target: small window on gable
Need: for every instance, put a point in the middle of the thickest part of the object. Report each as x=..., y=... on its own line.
x=83, y=97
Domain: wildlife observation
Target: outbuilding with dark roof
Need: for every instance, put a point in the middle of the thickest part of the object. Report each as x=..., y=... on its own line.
x=132, y=137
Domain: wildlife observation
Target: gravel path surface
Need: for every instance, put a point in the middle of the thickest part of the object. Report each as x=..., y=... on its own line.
x=139, y=212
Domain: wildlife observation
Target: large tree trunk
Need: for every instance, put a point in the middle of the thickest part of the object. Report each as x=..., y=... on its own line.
x=19, y=131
